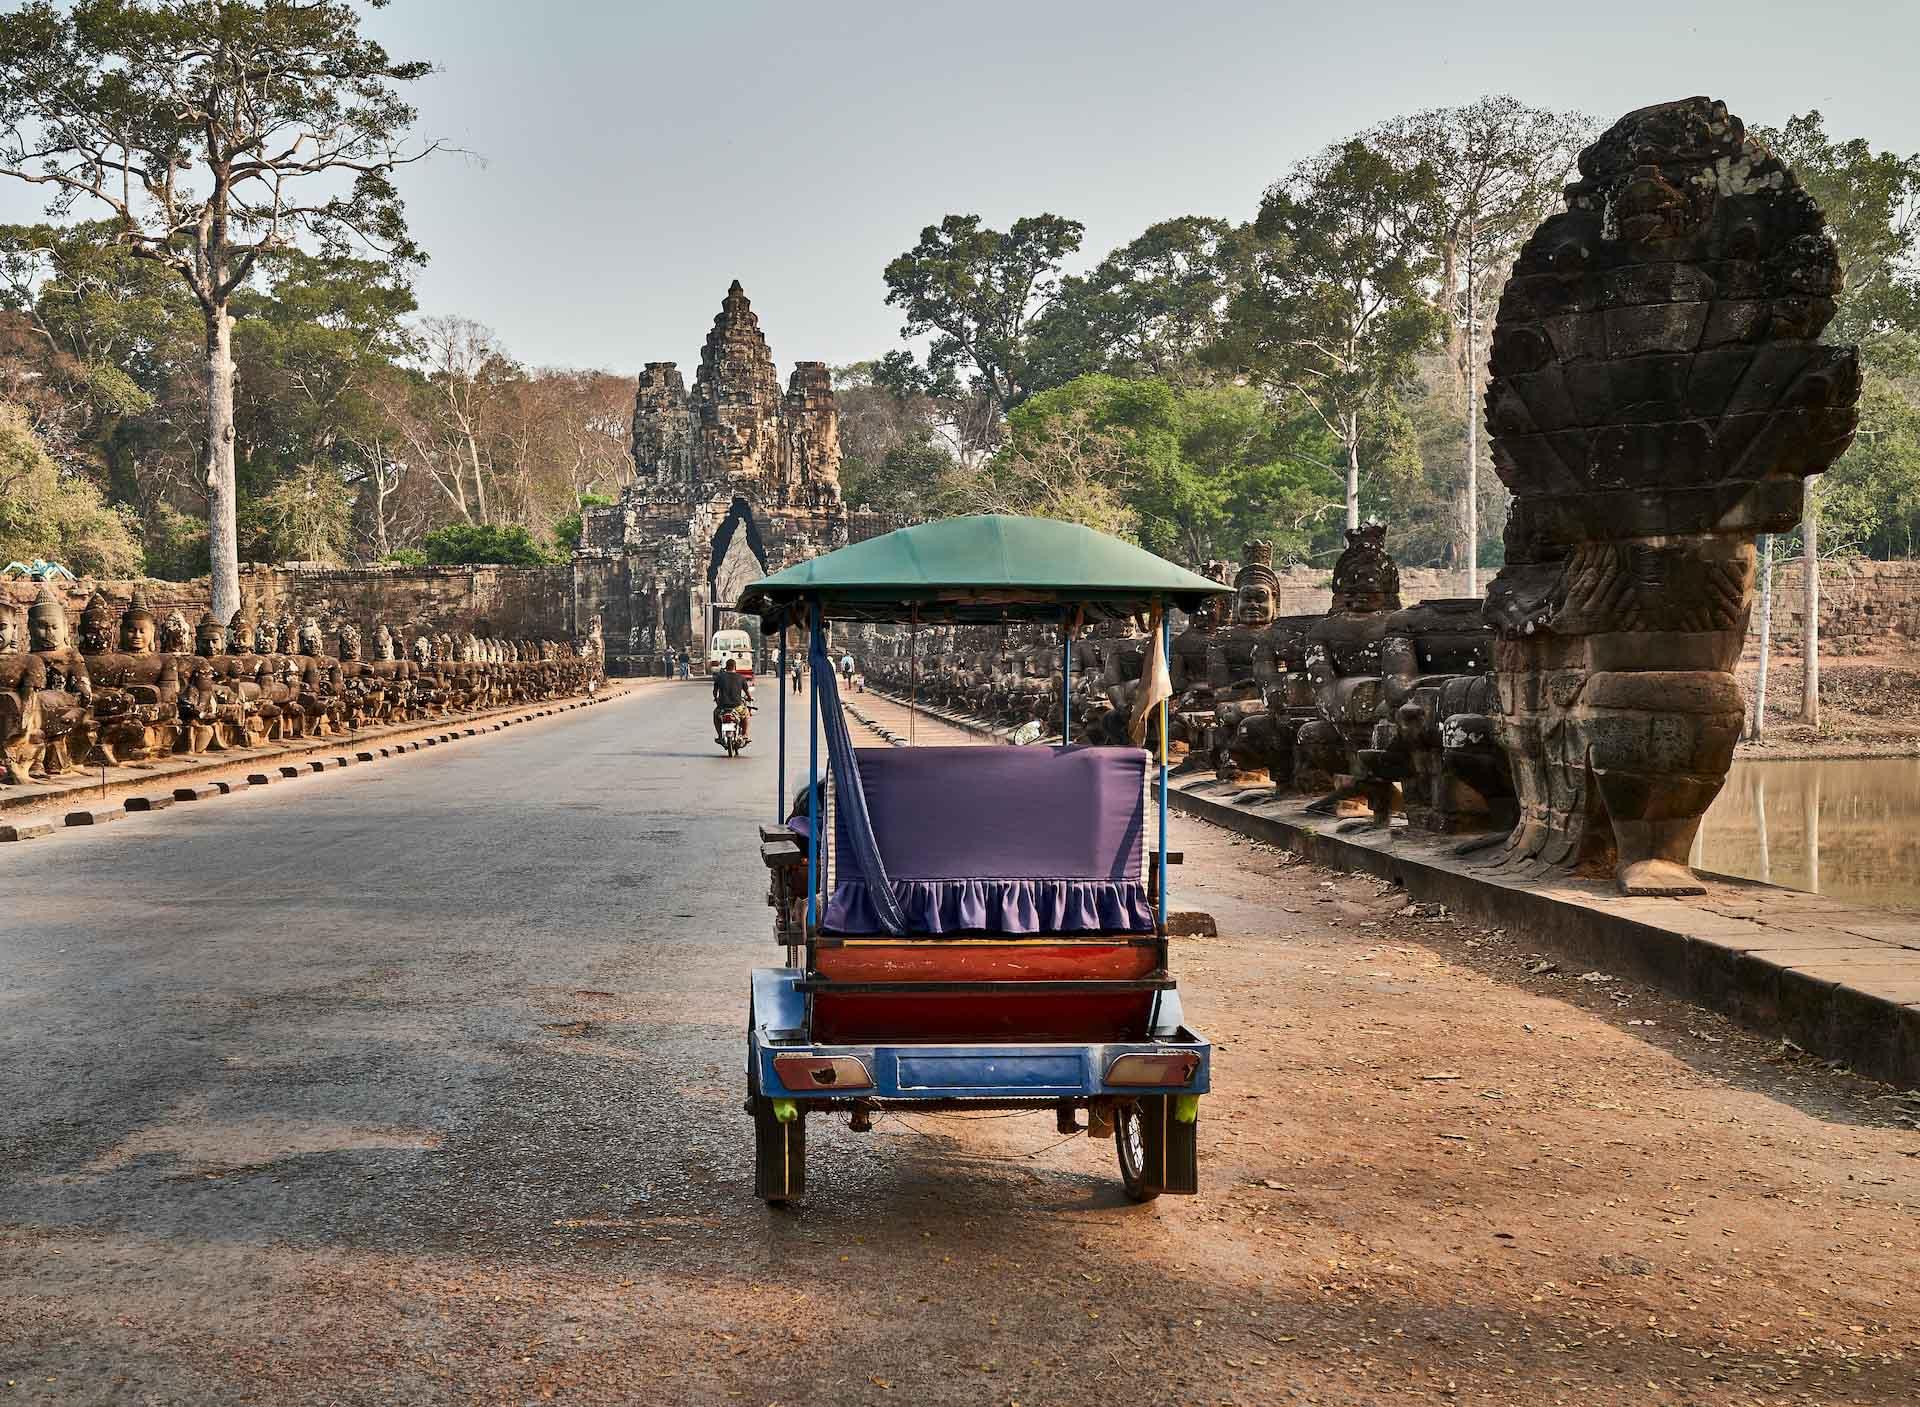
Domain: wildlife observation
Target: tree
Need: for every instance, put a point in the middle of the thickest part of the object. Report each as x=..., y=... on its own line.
x=44, y=513
x=566, y=528
x=213, y=132
x=1064, y=468
x=1150, y=308
x=1201, y=468
x=306, y=517
x=980, y=291
x=1500, y=167
x=461, y=543
x=1334, y=315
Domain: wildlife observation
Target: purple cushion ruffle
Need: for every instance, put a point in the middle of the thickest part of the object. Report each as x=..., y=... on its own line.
x=1012, y=906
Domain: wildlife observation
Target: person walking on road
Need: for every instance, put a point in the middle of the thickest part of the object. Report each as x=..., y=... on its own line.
x=685, y=663
x=795, y=671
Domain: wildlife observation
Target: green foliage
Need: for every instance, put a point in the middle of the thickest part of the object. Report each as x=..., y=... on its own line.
x=404, y=557
x=304, y=518
x=1200, y=469
x=1150, y=308
x=174, y=544
x=566, y=528
x=44, y=513
x=979, y=290
x=1335, y=315
x=462, y=543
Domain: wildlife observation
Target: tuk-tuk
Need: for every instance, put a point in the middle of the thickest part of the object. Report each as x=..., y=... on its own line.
x=974, y=927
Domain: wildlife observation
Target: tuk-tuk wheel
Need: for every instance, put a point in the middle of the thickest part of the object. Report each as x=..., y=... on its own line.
x=779, y=1153
x=1137, y=1127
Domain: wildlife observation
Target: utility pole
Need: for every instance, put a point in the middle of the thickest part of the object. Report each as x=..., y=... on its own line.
x=1810, y=631
x=1766, y=640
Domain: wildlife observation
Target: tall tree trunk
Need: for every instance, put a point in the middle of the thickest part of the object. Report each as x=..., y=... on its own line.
x=1766, y=641
x=1353, y=470
x=1473, y=433
x=216, y=464
x=1810, y=634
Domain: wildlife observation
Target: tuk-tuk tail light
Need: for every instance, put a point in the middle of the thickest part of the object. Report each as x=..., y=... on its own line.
x=1141, y=1068
x=810, y=1072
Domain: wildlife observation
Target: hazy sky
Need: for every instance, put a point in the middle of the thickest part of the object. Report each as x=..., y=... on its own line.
x=632, y=158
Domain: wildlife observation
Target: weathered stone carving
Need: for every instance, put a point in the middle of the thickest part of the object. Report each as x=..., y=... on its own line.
x=1658, y=396
x=1343, y=662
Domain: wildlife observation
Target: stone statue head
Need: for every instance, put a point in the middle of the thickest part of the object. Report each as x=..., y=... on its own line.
x=349, y=641
x=137, y=628
x=9, y=631
x=383, y=642
x=209, y=639
x=1210, y=614
x=174, y=634
x=1256, y=588
x=266, y=638
x=96, y=625
x=309, y=639
x=423, y=650
x=240, y=629
x=1365, y=578
x=286, y=639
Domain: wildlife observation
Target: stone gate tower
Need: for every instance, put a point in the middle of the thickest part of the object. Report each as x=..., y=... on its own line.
x=733, y=479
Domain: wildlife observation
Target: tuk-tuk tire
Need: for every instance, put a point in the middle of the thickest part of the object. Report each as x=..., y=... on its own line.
x=779, y=1154
x=1138, y=1129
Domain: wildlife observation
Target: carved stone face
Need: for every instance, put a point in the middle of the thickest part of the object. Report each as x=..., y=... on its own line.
x=286, y=639
x=208, y=638
x=136, y=633
x=1254, y=605
x=266, y=639
x=9, y=634
x=309, y=638
x=349, y=642
x=173, y=634
x=1366, y=579
x=96, y=626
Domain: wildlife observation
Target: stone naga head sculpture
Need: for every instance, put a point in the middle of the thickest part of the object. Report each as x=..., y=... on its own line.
x=96, y=625
x=1256, y=588
x=1658, y=397
x=174, y=634
x=1365, y=577
x=137, y=628
x=209, y=638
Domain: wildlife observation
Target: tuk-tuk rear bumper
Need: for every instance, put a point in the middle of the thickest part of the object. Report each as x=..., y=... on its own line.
x=1040, y=1073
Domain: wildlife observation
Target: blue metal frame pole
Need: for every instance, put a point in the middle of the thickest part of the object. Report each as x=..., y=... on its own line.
x=780, y=780
x=815, y=811
x=1166, y=648
x=1066, y=681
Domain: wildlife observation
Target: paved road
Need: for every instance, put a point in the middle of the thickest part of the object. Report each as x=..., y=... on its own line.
x=419, y=1083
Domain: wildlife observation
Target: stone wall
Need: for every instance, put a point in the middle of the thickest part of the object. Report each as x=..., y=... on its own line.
x=1308, y=591
x=530, y=602
x=1866, y=608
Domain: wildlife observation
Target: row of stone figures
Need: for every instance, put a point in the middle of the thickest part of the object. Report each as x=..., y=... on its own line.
x=129, y=688
x=1658, y=395
x=1368, y=703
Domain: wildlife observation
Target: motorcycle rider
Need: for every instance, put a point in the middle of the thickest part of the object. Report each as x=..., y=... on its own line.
x=730, y=689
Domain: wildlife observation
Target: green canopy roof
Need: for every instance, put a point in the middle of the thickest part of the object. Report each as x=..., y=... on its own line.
x=989, y=567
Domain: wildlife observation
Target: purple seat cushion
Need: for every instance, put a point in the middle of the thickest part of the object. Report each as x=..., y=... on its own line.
x=1017, y=840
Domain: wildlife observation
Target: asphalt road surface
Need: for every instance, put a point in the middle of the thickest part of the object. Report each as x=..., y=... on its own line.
x=420, y=1082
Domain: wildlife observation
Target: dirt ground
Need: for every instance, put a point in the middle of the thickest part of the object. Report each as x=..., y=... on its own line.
x=1869, y=707
x=506, y=1163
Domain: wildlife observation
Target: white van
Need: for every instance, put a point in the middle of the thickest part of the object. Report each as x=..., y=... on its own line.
x=735, y=645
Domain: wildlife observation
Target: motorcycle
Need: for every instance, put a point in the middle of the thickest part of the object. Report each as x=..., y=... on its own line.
x=733, y=729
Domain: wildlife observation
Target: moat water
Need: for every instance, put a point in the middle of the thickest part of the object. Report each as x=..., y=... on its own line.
x=1850, y=829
